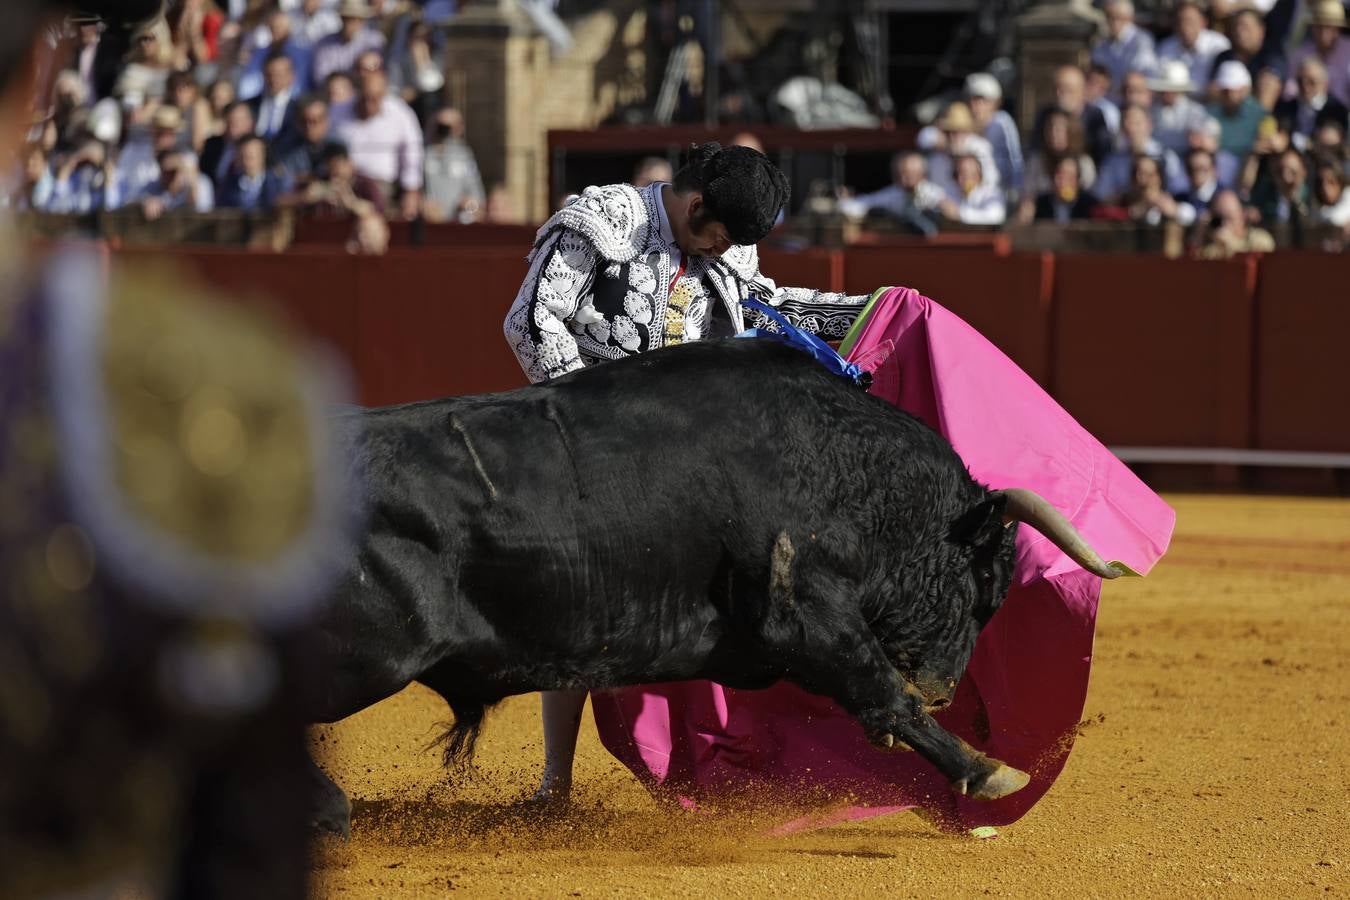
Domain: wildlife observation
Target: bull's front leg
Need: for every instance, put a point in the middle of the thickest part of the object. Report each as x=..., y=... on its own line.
x=901, y=718
x=829, y=649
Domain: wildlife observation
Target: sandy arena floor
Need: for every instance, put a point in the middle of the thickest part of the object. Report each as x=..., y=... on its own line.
x=1215, y=760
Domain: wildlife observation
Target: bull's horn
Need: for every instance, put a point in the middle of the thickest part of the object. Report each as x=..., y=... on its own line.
x=1032, y=509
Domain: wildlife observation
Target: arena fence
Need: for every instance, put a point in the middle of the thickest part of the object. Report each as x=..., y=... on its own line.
x=1242, y=355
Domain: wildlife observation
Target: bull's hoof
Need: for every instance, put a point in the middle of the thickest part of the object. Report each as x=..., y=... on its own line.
x=332, y=815
x=332, y=822
x=1001, y=782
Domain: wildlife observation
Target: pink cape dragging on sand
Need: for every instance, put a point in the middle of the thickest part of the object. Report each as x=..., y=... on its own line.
x=1023, y=692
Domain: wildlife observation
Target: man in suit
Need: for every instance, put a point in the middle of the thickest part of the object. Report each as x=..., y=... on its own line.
x=276, y=111
x=220, y=153
x=305, y=159
x=1312, y=107
x=1071, y=97
x=250, y=186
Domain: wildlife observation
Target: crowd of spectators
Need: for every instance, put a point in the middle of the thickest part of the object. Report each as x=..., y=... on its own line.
x=327, y=107
x=1232, y=126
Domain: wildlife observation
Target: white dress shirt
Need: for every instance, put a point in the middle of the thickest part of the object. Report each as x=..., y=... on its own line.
x=272, y=113
x=386, y=147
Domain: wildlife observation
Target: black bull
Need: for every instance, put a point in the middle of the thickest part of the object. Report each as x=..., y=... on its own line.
x=726, y=510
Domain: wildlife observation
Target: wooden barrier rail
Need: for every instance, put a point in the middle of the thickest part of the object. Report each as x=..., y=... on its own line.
x=1243, y=354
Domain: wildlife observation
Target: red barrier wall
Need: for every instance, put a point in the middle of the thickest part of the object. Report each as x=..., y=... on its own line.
x=815, y=268
x=316, y=289
x=1151, y=351
x=431, y=323
x=1142, y=350
x=331, y=233
x=1303, y=377
x=1005, y=298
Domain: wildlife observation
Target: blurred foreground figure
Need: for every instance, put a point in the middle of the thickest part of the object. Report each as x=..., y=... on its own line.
x=167, y=510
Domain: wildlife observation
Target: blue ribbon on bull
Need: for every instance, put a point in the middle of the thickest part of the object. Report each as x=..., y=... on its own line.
x=809, y=343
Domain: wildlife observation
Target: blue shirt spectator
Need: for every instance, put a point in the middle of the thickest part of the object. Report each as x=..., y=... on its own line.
x=179, y=187
x=277, y=40
x=37, y=183
x=1136, y=139
x=249, y=186
x=986, y=95
x=312, y=21
x=305, y=159
x=911, y=198
x=86, y=182
x=1193, y=45
x=1127, y=47
x=339, y=52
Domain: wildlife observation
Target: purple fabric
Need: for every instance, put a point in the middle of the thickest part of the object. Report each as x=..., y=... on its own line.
x=1023, y=692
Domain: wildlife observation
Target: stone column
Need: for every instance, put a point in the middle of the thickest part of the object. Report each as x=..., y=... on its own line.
x=1051, y=34
x=492, y=51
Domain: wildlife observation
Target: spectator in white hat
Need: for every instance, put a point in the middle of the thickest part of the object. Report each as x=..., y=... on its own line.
x=985, y=96
x=1238, y=112
x=1193, y=44
x=1126, y=48
x=339, y=52
x=1176, y=114
x=952, y=135
x=1262, y=58
x=1325, y=42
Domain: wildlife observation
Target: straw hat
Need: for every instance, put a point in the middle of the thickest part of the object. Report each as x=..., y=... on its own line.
x=1174, y=78
x=167, y=118
x=957, y=118
x=355, y=9
x=1327, y=12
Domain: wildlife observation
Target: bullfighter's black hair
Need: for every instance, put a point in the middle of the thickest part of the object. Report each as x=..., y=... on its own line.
x=741, y=188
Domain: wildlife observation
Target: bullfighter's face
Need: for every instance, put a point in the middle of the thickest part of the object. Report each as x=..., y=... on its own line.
x=696, y=233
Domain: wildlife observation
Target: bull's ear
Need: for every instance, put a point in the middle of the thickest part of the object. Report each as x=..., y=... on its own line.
x=982, y=523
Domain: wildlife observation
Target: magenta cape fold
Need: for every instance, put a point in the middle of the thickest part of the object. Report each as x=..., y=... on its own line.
x=1023, y=692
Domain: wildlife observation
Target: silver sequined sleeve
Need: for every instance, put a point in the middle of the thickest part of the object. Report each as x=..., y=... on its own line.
x=825, y=313
x=562, y=273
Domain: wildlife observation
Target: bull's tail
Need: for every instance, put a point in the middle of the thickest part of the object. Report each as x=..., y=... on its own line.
x=458, y=739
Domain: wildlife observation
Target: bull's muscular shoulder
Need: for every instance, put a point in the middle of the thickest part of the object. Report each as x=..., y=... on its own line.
x=613, y=217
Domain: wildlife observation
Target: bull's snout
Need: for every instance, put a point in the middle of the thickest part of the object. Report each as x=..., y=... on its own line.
x=936, y=692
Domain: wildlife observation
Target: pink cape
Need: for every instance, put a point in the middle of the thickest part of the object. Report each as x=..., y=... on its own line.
x=1023, y=692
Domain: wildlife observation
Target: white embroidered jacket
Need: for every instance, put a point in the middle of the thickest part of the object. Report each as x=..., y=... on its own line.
x=599, y=288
